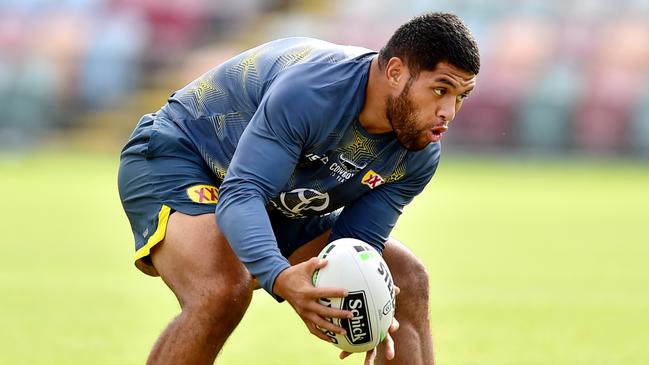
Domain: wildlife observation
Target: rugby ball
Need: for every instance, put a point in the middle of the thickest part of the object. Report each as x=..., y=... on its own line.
x=359, y=268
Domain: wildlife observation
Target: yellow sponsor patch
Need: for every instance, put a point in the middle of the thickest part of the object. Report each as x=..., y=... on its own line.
x=204, y=194
x=372, y=179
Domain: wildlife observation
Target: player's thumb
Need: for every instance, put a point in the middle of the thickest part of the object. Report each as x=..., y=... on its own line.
x=316, y=263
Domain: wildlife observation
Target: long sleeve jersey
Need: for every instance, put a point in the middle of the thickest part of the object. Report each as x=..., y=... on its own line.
x=278, y=125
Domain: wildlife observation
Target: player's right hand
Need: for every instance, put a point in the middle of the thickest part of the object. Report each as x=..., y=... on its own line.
x=294, y=285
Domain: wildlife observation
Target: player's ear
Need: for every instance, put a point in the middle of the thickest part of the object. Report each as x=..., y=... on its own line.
x=394, y=71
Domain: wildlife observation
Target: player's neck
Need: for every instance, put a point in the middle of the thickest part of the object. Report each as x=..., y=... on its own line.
x=373, y=117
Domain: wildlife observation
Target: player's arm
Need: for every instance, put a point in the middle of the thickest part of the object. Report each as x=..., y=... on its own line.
x=372, y=217
x=263, y=162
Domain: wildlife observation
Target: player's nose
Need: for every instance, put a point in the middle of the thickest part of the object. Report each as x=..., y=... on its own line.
x=446, y=111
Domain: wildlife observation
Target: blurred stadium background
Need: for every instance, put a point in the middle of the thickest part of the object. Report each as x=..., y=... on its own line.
x=558, y=76
x=539, y=244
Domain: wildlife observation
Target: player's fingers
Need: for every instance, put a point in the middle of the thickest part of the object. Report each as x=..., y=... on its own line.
x=315, y=263
x=370, y=356
x=344, y=354
x=389, y=347
x=318, y=333
x=326, y=325
x=318, y=293
x=394, y=326
x=327, y=312
x=397, y=290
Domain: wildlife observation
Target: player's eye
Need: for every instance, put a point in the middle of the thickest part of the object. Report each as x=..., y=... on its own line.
x=439, y=91
x=461, y=97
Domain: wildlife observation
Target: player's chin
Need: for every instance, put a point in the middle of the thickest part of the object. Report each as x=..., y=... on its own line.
x=417, y=144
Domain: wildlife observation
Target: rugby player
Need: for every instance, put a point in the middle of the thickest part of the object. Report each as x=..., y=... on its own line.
x=250, y=170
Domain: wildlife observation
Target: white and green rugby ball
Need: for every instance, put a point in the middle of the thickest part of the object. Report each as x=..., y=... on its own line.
x=359, y=268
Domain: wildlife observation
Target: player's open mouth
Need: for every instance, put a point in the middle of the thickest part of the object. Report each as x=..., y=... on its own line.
x=435, y=134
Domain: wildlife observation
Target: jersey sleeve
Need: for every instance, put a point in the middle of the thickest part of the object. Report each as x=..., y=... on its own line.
x=263, y=162
x=372, y=217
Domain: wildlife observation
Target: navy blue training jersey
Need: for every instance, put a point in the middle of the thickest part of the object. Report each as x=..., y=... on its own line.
x=278, y=124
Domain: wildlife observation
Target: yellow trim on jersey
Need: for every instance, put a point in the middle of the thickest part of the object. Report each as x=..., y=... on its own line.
x=157, y=236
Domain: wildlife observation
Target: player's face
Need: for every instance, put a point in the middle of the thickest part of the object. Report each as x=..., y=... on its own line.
x=421, y=113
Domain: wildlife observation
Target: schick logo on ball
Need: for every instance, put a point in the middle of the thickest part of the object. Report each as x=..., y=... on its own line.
x=358, y=328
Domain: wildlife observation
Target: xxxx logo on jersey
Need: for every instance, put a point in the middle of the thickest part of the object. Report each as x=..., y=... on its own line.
x=372, y=179
x=205, y=194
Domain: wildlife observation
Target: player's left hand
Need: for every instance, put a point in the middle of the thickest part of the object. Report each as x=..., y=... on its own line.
x=388, y=341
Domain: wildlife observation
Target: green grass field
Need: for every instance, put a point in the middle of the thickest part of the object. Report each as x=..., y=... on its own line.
x=531, y=263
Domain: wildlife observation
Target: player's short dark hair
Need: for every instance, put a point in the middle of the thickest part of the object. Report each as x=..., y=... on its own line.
x=428, y=39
